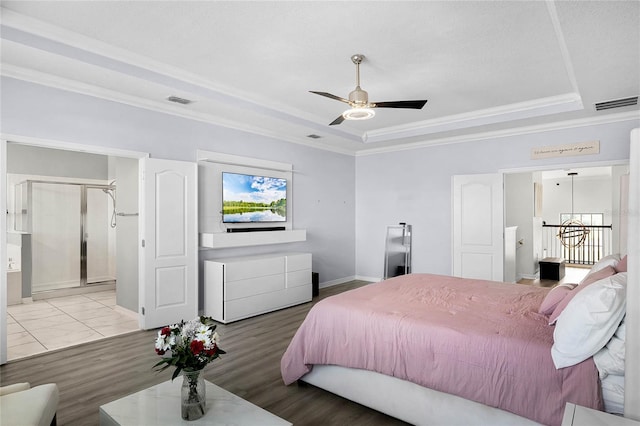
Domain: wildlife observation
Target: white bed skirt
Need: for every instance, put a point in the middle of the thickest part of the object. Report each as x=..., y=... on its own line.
x=407, y=401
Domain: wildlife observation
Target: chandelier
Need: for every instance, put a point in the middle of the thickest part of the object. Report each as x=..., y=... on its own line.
x=573, y=233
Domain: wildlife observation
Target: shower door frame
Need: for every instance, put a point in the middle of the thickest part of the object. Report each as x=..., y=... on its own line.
x=83, y=218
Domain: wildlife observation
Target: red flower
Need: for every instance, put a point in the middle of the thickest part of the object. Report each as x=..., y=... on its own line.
x=165, y=331
x=196, y=347
x=211, y=352
x=159, y=351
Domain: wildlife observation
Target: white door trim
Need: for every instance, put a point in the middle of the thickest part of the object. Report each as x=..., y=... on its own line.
x=72, y=146
x=3, y=252
x=44, y=143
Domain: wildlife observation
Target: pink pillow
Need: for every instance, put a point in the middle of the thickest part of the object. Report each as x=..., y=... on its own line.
x=622, y=265
x=605, y=272
x=554, y=297
x=586, y=282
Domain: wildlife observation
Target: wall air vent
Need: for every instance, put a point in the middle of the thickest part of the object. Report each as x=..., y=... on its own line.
x=178, y=100
x=314, y=136
x=617, y=103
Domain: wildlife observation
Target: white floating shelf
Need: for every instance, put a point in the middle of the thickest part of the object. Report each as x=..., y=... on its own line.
x=241, y=239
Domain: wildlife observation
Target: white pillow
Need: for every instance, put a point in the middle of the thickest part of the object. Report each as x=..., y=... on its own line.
x=611, y=260
x=589, y=321
x=610, y=359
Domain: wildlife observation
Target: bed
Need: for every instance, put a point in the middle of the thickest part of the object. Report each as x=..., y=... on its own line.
x=434, y=349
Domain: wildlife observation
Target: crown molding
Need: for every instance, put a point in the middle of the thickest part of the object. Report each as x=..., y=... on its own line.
x=90, y=90
x=86, y=89
x=47, y=31
x=516, y=131
x=534, y=108
x=111, y=95
x=133, y=64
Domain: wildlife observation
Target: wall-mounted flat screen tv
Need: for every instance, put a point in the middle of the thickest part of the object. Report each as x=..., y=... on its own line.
x=253, y=199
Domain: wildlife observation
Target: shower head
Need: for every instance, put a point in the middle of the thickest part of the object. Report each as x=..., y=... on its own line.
x=110, y=189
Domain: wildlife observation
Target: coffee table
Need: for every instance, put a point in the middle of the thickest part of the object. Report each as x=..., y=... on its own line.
x=160, y=405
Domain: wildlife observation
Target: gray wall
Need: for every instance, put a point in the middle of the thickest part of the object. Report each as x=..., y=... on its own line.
x=414, y=186
x=32, y=160
x=324, y=181
x=126, y=171
x=591, y=194
x=518, y=195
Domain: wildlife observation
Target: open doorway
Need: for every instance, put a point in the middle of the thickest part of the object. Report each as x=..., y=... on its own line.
x=72, y=231
x=539, y=202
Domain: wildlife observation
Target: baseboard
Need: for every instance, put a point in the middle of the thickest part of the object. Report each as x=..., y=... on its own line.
x=527, y=277
x=372, y=279
x=339, y=281
x=73, y=291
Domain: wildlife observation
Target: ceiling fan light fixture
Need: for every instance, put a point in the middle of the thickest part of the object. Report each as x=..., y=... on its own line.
x=358, y=114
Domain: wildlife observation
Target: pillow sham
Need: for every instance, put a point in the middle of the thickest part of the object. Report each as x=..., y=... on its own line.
x=610, y=359
x=610, y=260
x=622, y=265
x=554, y=297
x=598, y=275
x=602, y=274
x=589, y=321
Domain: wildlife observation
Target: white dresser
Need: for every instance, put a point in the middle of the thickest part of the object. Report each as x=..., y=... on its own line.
x=242, y=287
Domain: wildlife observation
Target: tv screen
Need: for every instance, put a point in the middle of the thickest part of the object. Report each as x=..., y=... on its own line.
x=253, y=199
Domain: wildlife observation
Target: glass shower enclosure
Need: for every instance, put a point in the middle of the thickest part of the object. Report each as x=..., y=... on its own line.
x=73, y=240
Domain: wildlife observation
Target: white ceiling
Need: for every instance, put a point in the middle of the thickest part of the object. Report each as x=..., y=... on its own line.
x=487, y=67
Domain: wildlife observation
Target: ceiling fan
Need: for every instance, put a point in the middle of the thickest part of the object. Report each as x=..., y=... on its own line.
x=361, y=108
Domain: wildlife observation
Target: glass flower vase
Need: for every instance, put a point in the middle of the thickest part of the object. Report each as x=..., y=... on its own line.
x=193, y=395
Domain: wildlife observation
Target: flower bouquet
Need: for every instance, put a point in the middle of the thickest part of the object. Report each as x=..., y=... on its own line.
x=189, y=347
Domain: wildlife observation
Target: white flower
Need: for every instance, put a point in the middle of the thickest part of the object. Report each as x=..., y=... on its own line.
x=164, y=344
x=203, y=334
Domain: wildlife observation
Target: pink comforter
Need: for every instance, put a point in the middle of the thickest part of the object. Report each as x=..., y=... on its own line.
x=481, y=340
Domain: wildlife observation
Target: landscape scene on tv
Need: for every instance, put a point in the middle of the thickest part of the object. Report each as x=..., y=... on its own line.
x=251, y=198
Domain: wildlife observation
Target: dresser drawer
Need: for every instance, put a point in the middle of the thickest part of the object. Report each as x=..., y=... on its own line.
x=298, y=261
x=252, y=268
x=297, y=278
x=253, y=286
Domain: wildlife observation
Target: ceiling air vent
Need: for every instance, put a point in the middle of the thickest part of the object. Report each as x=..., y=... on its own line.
x=617, y=103
x=178, y=100
x=314, y=136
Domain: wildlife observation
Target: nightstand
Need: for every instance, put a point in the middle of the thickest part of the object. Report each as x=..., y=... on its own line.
x=552, y=268
x=576, y=415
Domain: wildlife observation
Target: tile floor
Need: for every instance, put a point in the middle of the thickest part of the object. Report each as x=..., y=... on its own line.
x=64, y=321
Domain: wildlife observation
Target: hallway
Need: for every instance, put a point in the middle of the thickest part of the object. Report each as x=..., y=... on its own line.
x=573, y=274
x=49, y=324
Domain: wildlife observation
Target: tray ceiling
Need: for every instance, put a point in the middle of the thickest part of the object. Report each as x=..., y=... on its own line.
x=485, y=67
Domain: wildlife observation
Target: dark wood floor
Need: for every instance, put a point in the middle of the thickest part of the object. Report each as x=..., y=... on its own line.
x=95, y=373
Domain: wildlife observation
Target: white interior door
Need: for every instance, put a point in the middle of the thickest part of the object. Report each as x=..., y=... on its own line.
x=478, y=226
x=169, y=257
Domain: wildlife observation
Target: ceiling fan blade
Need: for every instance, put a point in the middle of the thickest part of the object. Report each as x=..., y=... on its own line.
x=338, y=120
x=329, y=95
x=400, y=104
